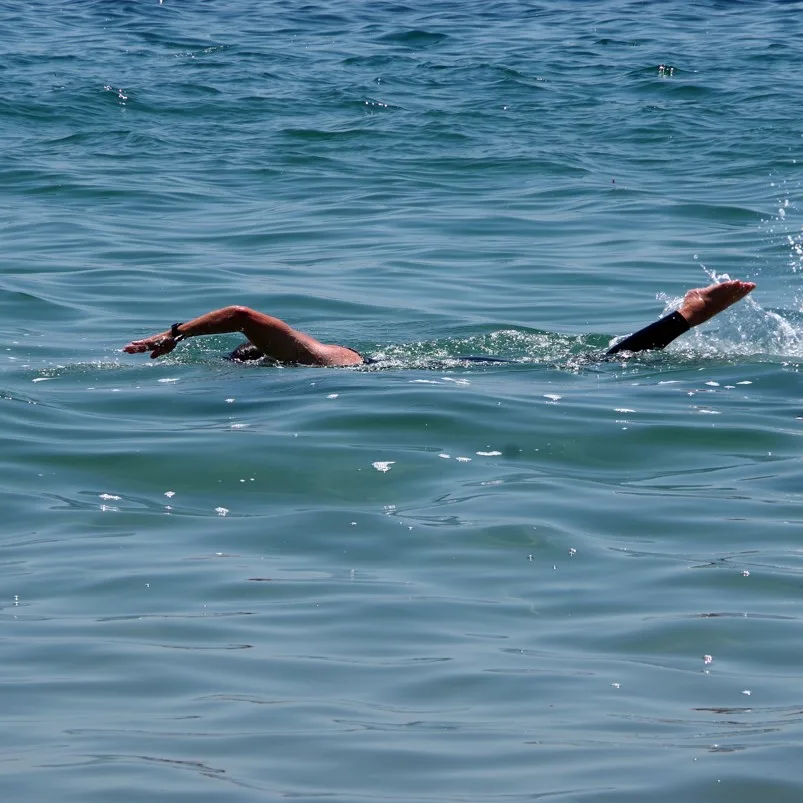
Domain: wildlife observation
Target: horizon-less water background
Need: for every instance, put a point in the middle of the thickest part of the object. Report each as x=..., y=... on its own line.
x=435, y=580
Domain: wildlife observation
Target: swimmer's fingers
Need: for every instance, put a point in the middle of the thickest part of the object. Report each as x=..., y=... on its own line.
x=162, y=347
x=743, y=289
x=728, y=293
x=158, y=346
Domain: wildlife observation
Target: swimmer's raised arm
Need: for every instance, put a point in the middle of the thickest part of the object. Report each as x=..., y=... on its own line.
x=698, y=306
x=272, y=336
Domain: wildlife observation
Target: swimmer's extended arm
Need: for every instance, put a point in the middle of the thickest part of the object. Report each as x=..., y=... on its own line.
x=698, y=306
x=272, y=336
x=218, y=322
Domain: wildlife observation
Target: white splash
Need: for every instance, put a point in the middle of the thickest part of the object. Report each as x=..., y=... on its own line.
x=383, y=465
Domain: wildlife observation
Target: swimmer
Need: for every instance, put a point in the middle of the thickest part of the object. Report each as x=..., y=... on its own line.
x=273, y=338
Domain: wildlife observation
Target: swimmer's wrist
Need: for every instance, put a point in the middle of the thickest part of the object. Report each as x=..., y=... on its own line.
x=687, y=316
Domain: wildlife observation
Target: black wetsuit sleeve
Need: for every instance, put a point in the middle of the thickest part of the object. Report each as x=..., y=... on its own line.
x=655, y=336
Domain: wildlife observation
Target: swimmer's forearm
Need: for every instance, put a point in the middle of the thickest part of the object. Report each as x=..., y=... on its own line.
x=657, y=335
x=218, y=322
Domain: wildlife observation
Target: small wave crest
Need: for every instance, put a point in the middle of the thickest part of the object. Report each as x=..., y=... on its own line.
x=492, y=348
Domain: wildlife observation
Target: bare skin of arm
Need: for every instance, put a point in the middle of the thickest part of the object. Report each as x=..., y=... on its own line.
x=279, y=341
x=272, y=336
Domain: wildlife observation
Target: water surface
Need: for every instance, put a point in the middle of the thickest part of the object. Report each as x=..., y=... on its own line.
x=555, y=578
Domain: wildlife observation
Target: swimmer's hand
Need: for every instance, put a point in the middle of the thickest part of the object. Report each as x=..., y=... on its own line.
x=158, y=345
x=703, y=303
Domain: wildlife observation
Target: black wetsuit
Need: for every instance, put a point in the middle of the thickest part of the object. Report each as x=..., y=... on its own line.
x=657, y=335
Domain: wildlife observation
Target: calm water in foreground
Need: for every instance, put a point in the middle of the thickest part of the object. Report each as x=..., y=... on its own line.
x=432, y=580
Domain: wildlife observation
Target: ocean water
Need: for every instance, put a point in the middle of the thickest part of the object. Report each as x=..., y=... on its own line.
x=432, y=579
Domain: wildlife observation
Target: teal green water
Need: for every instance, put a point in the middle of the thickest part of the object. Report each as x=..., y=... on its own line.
x=432, y=580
